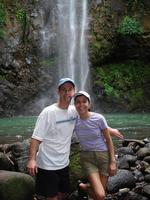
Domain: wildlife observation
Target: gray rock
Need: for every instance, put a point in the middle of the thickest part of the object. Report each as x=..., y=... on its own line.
x=126, y=161
x=125, y=150
x=134, y=196
x=147, y=159
x=122, y=179
x=20, y=152
x=5, y=162
x=138, y=175
x=123, y=163
x=147, y=178
x=139, y=142
x=16, y=186
x=143, y=152
x=146, y=190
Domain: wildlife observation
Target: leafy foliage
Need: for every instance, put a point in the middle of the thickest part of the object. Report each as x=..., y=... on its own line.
x=102, y=40
x=125, y=83
x=129, y=26
x=135, y=5
x=21, y=15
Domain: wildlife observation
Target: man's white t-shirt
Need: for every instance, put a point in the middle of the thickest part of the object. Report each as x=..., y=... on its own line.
x=54, y=128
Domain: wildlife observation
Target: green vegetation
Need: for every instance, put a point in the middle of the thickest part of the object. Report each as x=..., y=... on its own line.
x=76, y=172
x=21, y=16
x=135, y=5
x=129, y=26
x=2, y=19
x=101, y=28
x=123, y=83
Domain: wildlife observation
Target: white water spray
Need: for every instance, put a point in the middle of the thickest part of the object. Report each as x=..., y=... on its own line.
x=72, y=42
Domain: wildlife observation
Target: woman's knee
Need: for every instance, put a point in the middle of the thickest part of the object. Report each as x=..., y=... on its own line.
x=100, y=195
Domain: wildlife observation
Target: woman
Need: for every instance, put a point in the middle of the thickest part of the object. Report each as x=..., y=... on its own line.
x=97, y=151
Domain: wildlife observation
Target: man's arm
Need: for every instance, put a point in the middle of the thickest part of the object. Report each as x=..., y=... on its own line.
x=115, y=132
x=32, y=165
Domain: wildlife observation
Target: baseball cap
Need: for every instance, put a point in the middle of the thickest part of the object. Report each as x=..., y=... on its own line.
x=64, y=80
x=80, y=93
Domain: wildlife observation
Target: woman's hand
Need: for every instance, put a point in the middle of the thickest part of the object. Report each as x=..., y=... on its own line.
x=116, y=133
x=112, y=168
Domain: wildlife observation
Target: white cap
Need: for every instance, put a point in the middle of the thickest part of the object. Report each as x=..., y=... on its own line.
x=80, y=93
x=64, y=80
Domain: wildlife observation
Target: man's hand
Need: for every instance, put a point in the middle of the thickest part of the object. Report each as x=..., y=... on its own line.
x=32, y=167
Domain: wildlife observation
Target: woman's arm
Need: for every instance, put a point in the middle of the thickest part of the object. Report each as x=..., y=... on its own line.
x=115, y=132
x=111, y=152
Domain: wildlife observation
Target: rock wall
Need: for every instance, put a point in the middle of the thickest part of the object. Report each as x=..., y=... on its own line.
x=105, y=45
x=23, y=79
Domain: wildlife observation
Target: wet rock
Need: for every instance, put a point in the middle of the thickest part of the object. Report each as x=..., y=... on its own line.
x=134, y=196
x=125, y=150
x=147, y=159
x=143, y=152
x=5, y=162
x=16, y=186
x=147, y=178
x=20, y=152
x=123, y=163
x=141, y=143
x=138, y=175
x=126, y=161
x=146, y=190
x=122, y=179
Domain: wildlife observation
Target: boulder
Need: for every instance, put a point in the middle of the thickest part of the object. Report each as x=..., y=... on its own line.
x=125, y=150
x=5, y=162
x=146, y=190
x=134, y=196
x=123, y=179
x=16, y=186
x=143, y=152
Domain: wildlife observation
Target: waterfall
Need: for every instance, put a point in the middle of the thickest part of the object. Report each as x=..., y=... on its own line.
x=72, y=41
x=64, y=27
x=47, y=23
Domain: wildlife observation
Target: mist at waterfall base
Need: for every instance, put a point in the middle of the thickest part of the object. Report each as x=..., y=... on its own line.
x=134, y=126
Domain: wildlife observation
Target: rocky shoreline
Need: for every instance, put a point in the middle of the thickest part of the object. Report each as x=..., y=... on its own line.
x=132, y=181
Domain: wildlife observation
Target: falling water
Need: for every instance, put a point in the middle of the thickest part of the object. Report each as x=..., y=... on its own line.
x=72, y=42
x=63, y=27
x=47, y=23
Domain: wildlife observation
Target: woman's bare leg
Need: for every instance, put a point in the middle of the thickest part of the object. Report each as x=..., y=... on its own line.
x=97, y=186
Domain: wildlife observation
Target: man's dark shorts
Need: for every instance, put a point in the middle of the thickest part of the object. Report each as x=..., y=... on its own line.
x=50, y=182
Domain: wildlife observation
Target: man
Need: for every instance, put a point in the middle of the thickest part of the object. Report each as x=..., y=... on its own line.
x=50, y=144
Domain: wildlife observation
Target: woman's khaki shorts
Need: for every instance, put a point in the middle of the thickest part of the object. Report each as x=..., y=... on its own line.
x=95, y=161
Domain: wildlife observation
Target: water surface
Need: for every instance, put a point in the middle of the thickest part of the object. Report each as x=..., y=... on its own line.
x=135, y=126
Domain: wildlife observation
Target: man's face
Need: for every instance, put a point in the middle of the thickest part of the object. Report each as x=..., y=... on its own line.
x=66, y=92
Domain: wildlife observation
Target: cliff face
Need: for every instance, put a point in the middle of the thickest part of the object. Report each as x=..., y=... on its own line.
x=26, y=78
x=22, y=75
x=106, y=44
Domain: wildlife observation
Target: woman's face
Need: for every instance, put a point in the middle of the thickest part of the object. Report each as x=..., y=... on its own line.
x=82, y=105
